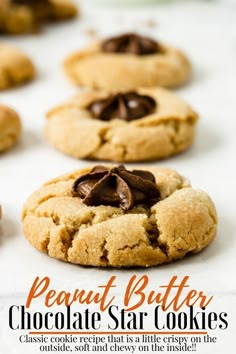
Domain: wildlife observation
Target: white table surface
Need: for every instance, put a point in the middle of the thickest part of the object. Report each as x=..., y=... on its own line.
x=207, y=32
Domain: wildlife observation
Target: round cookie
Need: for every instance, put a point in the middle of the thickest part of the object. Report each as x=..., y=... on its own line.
x=15, y=67
x=10, y=128
x=111, y=217
x=127, y=62
x=166, y=129
x=63, y=9
x=25, y=16
x=15, y=18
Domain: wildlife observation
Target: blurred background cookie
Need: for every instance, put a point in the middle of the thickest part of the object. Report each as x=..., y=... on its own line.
x=10, y=127
x=15, y=67
x=145, y=124
x=26, y=16
x=126, y=62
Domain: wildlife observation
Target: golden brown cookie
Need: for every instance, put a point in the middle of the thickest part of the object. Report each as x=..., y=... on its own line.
x=127, y=62
x=10, y=127
x=108, y=216
x=26, y=16
x=81, y=127
x=15, y=67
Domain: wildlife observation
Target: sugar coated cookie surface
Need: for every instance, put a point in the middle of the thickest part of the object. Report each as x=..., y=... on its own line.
x=126, y=62
x=145, y=124
x=113, y=217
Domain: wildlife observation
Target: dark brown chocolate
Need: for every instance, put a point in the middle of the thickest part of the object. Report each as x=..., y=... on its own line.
x=127, y=106
x=131, y=43
x=116, y=187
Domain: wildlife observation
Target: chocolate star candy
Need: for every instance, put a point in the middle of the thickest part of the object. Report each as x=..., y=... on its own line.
x=127, y=106
x=116, y=187
x=131, y=43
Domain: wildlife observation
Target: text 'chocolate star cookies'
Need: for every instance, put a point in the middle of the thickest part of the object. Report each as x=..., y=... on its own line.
x=87, y=217
x=26, y=16
x=10, y=127
x=140, y=125
x=117, y=187
x=126, y=62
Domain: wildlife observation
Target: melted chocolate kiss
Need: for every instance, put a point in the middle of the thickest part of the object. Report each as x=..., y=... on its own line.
x=131, y=43
x=116, y=187
x=127, y=106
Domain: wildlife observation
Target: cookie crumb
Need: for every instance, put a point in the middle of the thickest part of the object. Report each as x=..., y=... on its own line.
x=91, y=32
x=150, y=23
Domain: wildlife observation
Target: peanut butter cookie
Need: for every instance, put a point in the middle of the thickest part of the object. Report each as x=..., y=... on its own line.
x=127, y=62
x=112, y=217
x=145, y=124
x=15, y=67
x=10, y=127
x=26, y=16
